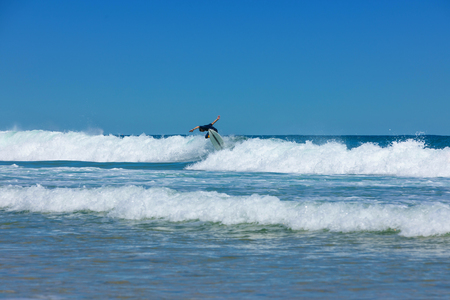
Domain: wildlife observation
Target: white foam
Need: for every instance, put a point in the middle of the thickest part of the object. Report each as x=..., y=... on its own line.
x=39, y=145
x=137, y=203
x=408, y=158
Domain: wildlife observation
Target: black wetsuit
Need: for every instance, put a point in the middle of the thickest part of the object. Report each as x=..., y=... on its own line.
x=207, y=127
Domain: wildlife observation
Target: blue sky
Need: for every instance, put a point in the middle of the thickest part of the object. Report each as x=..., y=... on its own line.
x=267, y=67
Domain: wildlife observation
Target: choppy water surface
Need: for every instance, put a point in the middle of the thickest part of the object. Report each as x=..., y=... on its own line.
x=284, y=217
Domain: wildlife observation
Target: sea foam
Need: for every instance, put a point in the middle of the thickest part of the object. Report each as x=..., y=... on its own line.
x=138, y=203
x=39, y=145
x=408, y=158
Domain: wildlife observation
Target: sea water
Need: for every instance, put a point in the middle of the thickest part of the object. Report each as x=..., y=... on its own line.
x=104, y=216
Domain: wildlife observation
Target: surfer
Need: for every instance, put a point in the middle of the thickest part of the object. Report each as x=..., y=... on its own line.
x=206, y=127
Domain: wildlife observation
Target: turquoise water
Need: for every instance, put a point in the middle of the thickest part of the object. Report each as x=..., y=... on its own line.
x=269, y=217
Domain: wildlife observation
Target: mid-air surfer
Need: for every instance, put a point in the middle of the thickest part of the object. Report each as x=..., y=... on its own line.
x=207, y=127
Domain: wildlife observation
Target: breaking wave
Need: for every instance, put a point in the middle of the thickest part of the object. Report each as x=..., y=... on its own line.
x=400, y=158
x=39, y=145
x=407, y=158
x=138, y=203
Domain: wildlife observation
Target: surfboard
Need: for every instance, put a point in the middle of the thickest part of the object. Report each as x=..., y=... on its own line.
x=216, y=139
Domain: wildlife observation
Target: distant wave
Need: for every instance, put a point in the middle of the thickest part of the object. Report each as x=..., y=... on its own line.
x=39, y=145
x=407, y=158
x=138, y=203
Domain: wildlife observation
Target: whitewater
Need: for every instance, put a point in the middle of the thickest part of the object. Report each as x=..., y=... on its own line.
x=410, y=157
x=137, y=203
x=152, y=216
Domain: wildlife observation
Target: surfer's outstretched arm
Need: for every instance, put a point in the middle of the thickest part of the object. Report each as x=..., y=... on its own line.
x=218, y=118
x=194, y=128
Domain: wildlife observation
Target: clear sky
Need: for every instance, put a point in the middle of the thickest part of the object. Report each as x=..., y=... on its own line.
x=267, y=67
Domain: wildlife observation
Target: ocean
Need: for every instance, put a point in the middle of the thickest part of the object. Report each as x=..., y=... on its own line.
x=141, y=217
